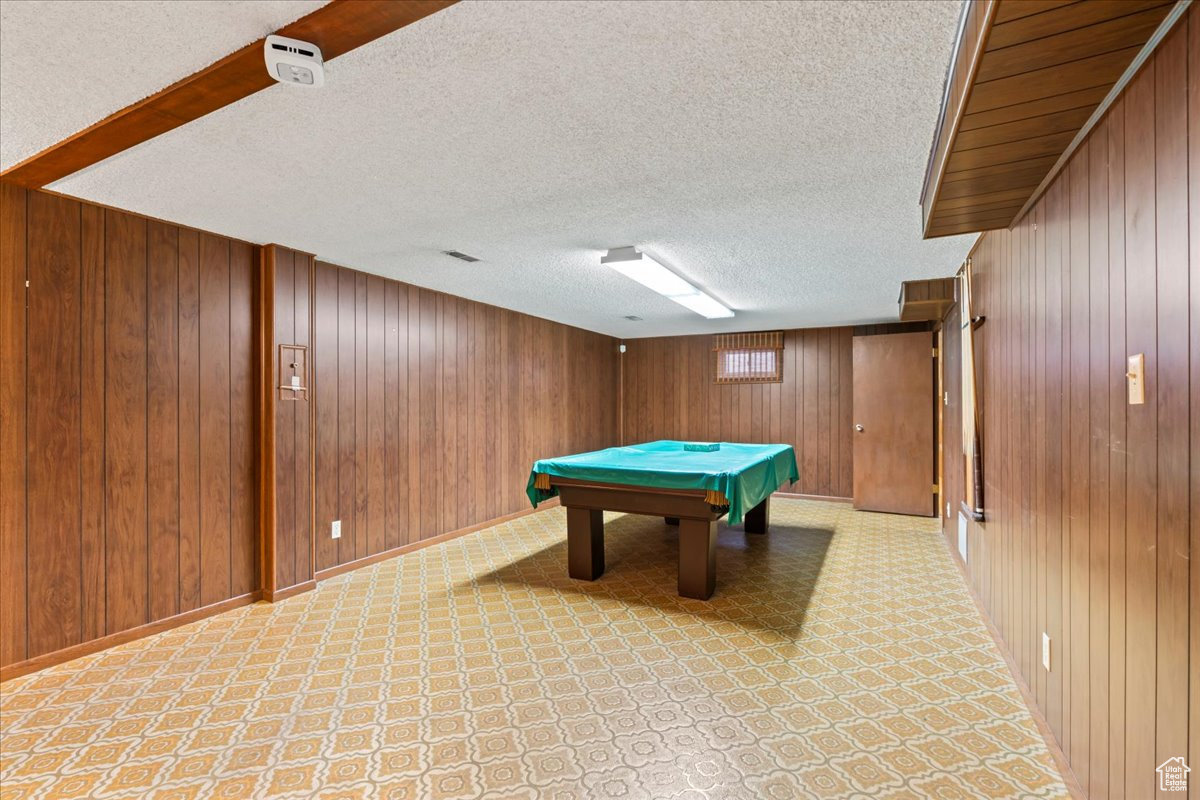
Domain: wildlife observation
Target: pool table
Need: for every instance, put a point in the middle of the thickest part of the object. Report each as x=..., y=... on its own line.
x=689, y=485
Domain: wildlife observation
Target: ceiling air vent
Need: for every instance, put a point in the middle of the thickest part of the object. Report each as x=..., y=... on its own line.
x=633, y=318
x=461, y=256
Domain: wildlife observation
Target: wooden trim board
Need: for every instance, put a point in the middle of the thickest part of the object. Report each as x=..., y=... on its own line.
x=96, y=645
x=820, y=497
x=350, y=566
x=337, y=28
x=266, y=415
x=124, y=637
x=1044, y=730
x=288, y=591
x=553, y=502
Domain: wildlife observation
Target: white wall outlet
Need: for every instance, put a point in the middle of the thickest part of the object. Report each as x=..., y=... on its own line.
x=335, y=529
x=1046, y=651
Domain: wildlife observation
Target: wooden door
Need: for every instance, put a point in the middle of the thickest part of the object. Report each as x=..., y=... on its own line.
x=893, y=423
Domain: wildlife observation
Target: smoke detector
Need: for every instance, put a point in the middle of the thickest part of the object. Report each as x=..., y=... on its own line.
x=294, y=62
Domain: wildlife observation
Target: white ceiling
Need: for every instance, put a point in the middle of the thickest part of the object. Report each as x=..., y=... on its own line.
x=772, y=153
x=65, y=64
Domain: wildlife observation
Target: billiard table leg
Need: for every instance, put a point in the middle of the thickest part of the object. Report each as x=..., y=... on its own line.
x=671, y=520
x=757, y=518
x=585, y=543
x=697, y=558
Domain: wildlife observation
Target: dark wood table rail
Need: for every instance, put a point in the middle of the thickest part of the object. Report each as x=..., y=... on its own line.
x=689, y=509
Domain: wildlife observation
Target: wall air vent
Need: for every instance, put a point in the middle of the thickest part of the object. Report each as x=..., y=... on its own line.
x=460, y=256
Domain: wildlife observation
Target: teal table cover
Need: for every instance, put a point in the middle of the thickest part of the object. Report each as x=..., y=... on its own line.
x=745, y=473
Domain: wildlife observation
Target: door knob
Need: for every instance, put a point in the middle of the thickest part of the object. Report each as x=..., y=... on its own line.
x=858, y=428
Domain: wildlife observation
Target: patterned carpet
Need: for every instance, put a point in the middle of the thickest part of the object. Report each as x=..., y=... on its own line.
x=841, y=656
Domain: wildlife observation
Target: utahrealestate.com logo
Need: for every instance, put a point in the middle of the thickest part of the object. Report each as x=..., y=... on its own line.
x=1173, y=775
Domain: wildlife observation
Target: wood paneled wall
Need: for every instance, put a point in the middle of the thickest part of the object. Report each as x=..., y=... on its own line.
x=430, y=409
x=1093, y=505
x=669, y=393
x=287, y=441
x=126, y=422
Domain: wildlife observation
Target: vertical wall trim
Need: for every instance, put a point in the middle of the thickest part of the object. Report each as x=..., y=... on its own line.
x=266, y=412
x=24, y=301
x=621, y=394
x=311, y=475
x=149, y=614
x=229, y=408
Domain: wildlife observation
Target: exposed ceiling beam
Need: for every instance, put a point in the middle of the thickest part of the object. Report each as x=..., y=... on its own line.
x=337, y=28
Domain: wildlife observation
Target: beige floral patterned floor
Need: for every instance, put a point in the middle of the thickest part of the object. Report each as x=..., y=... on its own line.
x=841, y=656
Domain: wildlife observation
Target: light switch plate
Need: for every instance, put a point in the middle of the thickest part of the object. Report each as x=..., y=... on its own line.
x=1135, y=376
x=336, y=529
x=1046, y=651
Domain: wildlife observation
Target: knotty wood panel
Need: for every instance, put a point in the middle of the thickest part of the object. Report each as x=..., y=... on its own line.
x=215, y=486
x=52, y=424
x=290, y=561
x=669, y=394
x=162, y=408
x=114, y=440
x=361, y=494
x=377, y=378
x=13, y=609
x=1092, y=503
x=243, y=541
x=1193, y=101
x=430, y=409
x=189, y=420
x=396, y=444
x=345, y=390
x=302, y=534
x=325, y=382
x=92, y=432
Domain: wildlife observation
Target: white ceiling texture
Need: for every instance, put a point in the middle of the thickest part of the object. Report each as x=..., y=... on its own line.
x=771, y=153
x=65, y=64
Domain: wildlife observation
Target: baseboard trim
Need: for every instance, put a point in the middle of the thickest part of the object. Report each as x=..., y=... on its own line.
x=1056, y=751
x=366, y=561
x=825, y=498
x=73, y=652
x=350, y=566
x=289, y=591
x=123, y=637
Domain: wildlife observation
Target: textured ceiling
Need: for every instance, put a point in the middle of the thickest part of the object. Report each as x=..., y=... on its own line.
x=65, y=64
x=772, y=153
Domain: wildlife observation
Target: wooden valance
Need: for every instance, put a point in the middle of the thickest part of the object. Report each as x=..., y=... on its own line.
x=756, y=340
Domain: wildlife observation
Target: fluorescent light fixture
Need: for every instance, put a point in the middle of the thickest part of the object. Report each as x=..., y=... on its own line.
x=654, y=276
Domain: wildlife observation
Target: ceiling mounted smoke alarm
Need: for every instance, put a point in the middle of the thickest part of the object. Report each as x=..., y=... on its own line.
x=294, y=62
